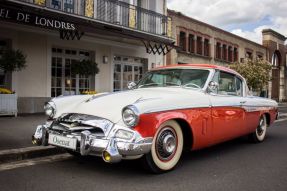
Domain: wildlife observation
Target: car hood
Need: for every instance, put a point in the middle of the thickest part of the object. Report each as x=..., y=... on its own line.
x=110, y=105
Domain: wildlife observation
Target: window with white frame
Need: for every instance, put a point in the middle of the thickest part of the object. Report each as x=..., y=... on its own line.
x=3, y=46
x=127, y=69
x=65, y=5
x=64, y=82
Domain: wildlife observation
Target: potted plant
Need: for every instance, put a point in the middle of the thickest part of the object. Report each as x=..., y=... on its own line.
x=85, y=68
x=10, y=61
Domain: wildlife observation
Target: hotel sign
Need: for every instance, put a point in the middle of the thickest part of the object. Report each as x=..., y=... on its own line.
x=19, y=16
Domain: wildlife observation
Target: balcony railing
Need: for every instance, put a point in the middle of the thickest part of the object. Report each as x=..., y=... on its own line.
x=114, y=12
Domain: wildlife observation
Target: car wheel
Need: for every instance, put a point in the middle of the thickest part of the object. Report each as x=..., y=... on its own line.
x=166, y=148
x=260, y=132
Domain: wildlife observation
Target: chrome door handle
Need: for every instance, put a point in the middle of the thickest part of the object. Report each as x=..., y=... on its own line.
x=242, y=102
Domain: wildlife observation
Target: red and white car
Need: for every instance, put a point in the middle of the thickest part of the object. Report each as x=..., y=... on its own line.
x=170, y=109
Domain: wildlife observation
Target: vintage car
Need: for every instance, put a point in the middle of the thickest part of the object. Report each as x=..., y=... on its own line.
x=170, y=109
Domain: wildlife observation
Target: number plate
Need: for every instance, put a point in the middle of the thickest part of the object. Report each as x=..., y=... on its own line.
x=61, y=141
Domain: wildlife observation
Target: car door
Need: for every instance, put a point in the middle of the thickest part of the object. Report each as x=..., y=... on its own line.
x=226, y=107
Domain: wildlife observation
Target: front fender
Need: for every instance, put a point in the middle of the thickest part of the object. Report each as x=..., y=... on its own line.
x=149, y=123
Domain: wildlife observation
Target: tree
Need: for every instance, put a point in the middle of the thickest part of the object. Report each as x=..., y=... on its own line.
x=85, y=67
x=12, y=60
x=256, y=72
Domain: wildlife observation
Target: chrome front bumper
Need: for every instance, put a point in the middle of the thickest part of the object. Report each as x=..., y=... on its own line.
x=111, y=148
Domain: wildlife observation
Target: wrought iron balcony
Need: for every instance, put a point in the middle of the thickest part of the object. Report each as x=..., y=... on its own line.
x=113, y=12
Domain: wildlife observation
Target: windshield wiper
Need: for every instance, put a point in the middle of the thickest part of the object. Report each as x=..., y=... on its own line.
x=191, y=85
x=170, y=84
x=150, y=84
x=161, y=85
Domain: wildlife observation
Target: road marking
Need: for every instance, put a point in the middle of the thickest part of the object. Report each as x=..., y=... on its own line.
x=280, y=120
x=25, y=150
x=31, y=162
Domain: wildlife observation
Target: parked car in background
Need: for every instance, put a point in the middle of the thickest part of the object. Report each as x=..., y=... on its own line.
x=170, y=109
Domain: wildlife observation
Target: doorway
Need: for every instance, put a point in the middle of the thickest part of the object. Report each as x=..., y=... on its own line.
x=127, y=69
x=276, y=59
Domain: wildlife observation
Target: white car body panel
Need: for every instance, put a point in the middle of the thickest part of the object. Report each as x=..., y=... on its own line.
x=109, y=106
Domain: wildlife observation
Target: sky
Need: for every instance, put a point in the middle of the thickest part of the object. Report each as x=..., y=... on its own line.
x=246, y=18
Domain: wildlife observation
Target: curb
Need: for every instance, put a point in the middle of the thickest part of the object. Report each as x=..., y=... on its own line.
x=12, y=155
x=282, y=117
x=35, y=161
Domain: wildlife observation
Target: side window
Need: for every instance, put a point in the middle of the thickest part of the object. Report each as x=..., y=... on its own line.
x=239, y=87
x=215, y=79
x=229, y=84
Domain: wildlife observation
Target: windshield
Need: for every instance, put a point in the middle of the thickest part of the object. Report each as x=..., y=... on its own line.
x=192, y=78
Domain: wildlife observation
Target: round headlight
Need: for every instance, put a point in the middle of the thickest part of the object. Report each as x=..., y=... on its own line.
x=130, y=116
x=49, y=109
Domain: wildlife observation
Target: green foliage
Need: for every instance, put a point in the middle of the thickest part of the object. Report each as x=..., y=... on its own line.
x=256, y=72
x=85, y=67
x=12, y=60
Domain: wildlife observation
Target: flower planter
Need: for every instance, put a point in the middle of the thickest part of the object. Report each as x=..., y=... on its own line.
x=8, y=104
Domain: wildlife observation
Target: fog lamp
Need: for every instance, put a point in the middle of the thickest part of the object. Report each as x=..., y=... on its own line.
x=106, y=156
x=123, y=134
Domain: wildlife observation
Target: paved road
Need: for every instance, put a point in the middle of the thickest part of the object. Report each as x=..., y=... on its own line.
x=16, y=132
x=235, y=165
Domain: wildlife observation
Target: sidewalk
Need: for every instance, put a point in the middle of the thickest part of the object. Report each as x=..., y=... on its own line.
x=283, y=110
x=282, y=104
x=16, y=132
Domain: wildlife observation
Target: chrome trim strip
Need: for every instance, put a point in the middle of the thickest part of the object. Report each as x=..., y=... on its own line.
x=172, y=109
x=246, y=108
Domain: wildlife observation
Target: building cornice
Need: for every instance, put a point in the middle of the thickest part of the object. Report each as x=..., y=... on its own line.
x=179, y=14
x=274, y=33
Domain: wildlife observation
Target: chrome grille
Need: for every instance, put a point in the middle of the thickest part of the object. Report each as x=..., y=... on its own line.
x=74, y=122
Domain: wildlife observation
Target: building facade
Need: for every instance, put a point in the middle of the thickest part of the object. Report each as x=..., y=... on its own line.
x=199, y=42
x=55, y=33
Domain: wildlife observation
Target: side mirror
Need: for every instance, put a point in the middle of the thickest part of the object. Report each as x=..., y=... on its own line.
x=213, y=85
x=131, y=85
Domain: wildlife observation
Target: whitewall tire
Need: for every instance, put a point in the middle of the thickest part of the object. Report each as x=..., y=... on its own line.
x=260, y=132
x=166, y=148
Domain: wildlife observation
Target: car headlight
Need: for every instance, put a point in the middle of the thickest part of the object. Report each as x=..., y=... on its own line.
x=130, y=116
x=50, y=109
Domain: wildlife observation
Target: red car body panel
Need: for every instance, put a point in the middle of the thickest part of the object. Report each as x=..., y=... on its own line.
x=209, y=126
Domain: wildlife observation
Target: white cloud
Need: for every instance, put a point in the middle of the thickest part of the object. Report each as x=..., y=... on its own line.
x=245, y=17
x=254, y=35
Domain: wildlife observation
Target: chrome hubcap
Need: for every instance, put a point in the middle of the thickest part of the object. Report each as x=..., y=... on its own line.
x=169, y=144
x=166, y=144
